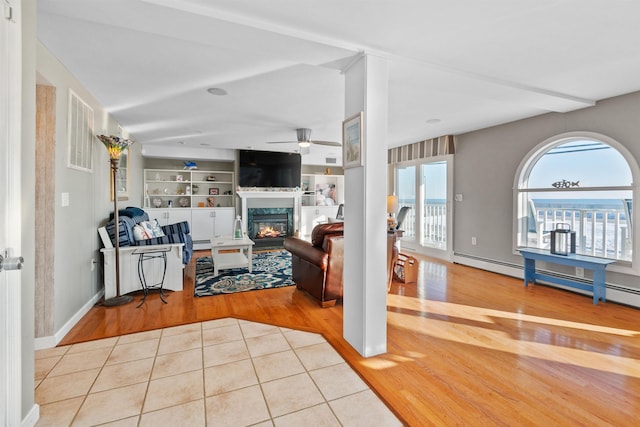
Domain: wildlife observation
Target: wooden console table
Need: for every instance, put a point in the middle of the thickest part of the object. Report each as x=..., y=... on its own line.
x=597, y=265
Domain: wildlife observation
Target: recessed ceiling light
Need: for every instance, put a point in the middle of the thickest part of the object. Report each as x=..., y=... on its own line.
x=432, y=121
x=217, y=91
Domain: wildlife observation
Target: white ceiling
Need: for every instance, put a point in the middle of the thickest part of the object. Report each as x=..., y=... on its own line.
x=470, y=64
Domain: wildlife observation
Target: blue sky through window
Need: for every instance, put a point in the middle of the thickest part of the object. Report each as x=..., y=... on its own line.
x=590, y=163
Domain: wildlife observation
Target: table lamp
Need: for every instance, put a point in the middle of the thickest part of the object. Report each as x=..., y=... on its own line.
x=392, y=208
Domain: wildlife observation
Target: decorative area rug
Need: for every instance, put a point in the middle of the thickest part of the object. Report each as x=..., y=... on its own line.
x=270, y=270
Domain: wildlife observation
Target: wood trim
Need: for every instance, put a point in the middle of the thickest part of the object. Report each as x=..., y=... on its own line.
x=45, y=209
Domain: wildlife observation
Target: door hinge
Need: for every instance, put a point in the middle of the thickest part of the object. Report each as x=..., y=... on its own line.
x=9, y=262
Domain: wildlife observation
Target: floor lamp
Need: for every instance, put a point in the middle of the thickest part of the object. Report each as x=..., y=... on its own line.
x=115, y=147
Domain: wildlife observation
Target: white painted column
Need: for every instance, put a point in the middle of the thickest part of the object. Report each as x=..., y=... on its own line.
x=365, y=253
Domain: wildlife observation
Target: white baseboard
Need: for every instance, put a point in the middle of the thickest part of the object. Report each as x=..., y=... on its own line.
x=32, y=417
x=618, y=294
x=614, y=292
x=490, y=265
x=51, y=341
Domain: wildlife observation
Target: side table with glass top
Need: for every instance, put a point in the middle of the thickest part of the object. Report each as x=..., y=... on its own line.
x=149, y=255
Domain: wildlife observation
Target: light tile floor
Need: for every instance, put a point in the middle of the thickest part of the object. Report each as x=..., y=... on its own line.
x=224, y=372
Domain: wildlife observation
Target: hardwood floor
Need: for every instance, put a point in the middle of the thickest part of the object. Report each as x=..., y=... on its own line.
x=465, y=346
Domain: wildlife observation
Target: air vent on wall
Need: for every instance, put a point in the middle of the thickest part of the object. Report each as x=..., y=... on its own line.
x=331, y=160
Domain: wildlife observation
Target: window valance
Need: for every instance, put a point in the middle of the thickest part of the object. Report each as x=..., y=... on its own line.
x=420, y=150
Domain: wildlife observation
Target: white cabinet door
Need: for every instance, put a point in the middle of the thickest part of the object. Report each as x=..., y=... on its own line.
x=159, y=214
x=208, y=223
x=224, y=221
x=178, y=215
x=170, y=216
x=314, y=215
x=203, y=224
x=306, y=222
x=323, y=213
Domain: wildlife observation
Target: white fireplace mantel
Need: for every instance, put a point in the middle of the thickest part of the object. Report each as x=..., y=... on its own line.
x=271, y=199
x=269, y=194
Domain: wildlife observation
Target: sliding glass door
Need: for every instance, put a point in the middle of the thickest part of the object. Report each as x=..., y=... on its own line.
x=406, y=191
x=426, y=187
x=434, y=203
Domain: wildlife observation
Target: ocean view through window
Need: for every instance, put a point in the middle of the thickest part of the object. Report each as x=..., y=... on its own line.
x=584, y=182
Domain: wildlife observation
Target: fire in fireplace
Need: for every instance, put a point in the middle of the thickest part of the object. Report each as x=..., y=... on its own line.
x=269, y=229
x=268, y=232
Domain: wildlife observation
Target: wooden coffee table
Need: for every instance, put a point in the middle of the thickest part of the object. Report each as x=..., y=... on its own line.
x=228, y=252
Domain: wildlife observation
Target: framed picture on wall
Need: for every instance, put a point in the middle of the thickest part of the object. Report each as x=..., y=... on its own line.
x=352, y=141
x=214, y=191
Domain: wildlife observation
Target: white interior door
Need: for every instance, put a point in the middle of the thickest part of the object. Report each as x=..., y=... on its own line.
x=10, y=224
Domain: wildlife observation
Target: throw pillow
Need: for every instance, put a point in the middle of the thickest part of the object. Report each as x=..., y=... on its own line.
x=152, y=228
x=139, y=233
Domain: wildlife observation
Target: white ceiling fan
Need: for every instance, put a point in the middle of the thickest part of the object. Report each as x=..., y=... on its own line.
x=304, y=140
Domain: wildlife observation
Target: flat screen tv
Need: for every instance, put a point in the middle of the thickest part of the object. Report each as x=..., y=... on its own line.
x=269, y=169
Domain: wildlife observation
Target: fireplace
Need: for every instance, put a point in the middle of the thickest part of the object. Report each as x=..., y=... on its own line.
x=268, y=227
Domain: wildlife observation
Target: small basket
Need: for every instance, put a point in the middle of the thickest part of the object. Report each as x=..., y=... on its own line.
x=406, y=269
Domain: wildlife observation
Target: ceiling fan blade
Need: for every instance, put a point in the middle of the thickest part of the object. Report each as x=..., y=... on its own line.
x=304, y=135
x=331, y=143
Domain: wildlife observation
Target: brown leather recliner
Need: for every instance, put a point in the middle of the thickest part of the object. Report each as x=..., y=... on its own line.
x=317, y=266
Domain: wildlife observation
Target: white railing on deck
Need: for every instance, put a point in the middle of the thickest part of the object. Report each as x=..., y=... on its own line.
x=604, y=233
x=434, y=224
x=409, y=223
x=434, y=231
x=599, y=232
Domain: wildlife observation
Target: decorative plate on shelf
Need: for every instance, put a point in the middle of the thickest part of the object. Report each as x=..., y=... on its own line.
x=157, y=202
x=184, y=202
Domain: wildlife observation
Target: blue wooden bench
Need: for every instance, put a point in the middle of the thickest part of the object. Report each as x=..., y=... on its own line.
x=597, y=265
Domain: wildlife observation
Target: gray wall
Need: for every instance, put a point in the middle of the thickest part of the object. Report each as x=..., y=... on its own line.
x=76, y=238
x=486, y=163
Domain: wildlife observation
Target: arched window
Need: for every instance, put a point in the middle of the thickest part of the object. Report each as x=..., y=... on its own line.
x=583, y=181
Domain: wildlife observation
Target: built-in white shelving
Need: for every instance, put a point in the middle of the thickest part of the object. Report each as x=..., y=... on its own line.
x=322, y=190
x=171, y=188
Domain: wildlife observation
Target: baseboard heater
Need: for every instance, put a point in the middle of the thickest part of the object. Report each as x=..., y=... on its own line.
x=615, y=292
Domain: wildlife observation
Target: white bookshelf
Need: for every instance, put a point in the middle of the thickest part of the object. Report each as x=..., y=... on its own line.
x=175, y=188
x=322, y=190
